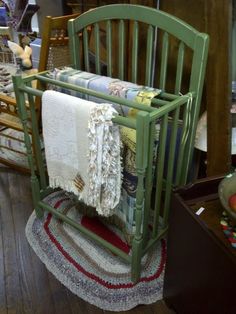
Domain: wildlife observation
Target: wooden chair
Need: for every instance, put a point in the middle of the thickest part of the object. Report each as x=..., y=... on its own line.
x=177, y=105
x=54, y=47
x=54, y=52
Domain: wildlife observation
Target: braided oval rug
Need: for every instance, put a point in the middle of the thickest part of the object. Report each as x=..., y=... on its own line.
x=90, y=272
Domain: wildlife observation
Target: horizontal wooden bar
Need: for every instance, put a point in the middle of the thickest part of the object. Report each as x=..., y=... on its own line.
x=13, y=150
x=8, y=100
x=31, y=91
x=113, y=99
x=169, y=96
x=159, y=102
x=128, y=122
x=12, y=137
x=172, y=105
x=84, y=230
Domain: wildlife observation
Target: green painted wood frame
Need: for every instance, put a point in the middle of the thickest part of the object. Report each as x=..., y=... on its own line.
x=167, y=107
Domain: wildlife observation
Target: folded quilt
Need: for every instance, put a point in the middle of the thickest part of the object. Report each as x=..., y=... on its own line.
x=106, y=85
x=82, y=148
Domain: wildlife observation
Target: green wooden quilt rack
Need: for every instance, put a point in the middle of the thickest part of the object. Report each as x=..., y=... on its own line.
x=177, y=44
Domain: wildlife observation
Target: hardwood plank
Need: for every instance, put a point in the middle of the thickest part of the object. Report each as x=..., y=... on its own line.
x=158, y=307
x=43, y=301
x=2, y=267
x=12, y=278
x=77, y=305
x=140, y=309
x=59, y=296
x=20, y=202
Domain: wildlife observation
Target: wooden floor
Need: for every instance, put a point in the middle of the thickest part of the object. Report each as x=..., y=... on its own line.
x=25, y=284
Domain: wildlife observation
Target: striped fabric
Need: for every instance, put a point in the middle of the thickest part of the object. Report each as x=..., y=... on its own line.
x=107, y=85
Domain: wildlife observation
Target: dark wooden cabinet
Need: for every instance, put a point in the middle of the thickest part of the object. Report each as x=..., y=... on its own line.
x=200, y=272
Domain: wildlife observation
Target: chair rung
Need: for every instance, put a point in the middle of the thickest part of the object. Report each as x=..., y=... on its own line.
x=12, y=137
x=13, y=150
x=11, y=122
x=8, y=100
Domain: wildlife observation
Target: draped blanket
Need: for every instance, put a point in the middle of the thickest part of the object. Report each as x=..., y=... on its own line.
x=82, y=148
x=125, y=211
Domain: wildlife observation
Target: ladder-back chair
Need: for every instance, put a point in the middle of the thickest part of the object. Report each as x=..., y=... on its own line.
x=54, y=53
x=180, y=54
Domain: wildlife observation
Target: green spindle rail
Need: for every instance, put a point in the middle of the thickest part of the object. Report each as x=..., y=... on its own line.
x=198, y=71
x=164, y=59
x=74, y=42
x=97, y=49
x=170, y=170
x=149, y=179
x=17, y=81
x=184, y=135
x=142, y=134
x=179, y=70
x=36, y=139
x=160, y=173
x=109, y=48
x=135, y=52
x=121, y=49
x=149, y=56
x=86, y=50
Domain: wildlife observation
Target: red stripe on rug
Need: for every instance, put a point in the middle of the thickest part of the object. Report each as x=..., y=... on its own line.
x=97, y=227
x=93, y=276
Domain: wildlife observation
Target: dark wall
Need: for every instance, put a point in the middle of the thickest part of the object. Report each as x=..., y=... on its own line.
x=53, y=8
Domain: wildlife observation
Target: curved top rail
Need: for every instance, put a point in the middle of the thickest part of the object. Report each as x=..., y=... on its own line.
x=151, y=16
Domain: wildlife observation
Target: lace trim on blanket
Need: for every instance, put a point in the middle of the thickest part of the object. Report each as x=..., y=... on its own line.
x=104, y=160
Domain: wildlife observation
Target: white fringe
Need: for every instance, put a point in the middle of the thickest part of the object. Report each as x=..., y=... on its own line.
x=67, y=185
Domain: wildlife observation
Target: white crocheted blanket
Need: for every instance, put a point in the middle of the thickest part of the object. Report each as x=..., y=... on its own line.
x=82, y=148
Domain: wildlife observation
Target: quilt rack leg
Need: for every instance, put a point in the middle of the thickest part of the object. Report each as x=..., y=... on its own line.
x=20, y=97
x=137, y=243
x=142, y=136
x=136, y=260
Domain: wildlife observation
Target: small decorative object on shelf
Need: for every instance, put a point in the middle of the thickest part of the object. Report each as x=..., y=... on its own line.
x=227, y=188
x=227, y=196
x=229, y=229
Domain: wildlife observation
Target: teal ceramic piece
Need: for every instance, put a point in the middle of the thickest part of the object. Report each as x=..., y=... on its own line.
x=227, y=187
